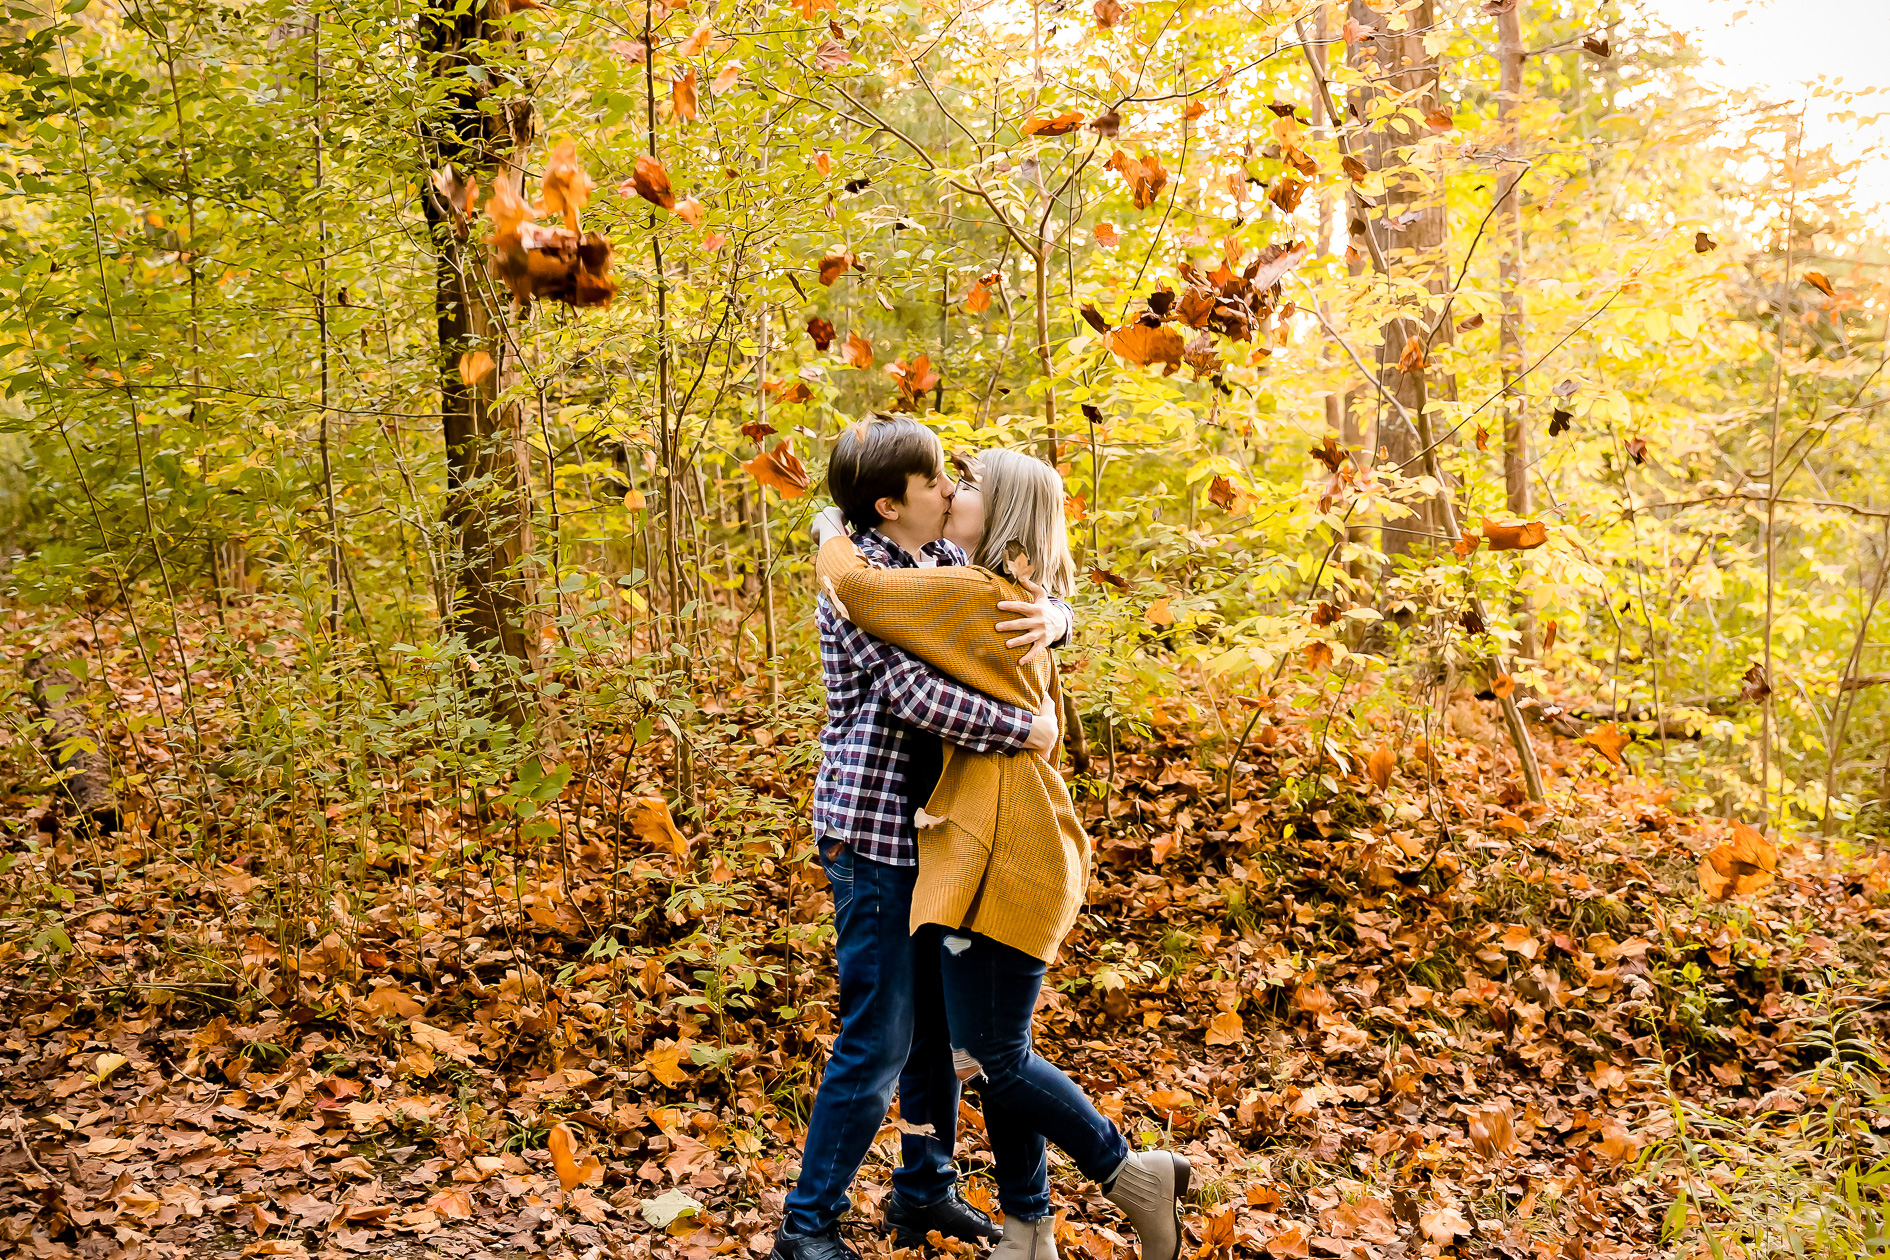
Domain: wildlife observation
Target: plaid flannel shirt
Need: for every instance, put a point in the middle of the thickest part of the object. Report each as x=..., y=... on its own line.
x=873, y=691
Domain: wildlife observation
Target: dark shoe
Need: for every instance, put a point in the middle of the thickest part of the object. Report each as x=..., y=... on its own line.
x=951, y=1216
x=826, y=1245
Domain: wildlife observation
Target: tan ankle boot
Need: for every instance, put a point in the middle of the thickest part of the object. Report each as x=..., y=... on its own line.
x=1148, y=1188
x=1027, y=1240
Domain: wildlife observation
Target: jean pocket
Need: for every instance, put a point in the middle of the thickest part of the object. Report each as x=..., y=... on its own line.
x=839, y=871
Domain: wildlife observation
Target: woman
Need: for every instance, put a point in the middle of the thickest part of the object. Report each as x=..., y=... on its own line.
x=1003, y=861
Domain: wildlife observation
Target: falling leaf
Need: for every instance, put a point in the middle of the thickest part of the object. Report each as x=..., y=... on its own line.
x=1105, y=235
x=780, y=468
x=1317, y=655
x=1503, y=686
x=809, y=8
x=1702, y=243
x=725, y=78
x=833, y=266
x=714, y=241
x=633, y=51
x=1286, y=193
x=914, y=379
x=567, y=188
x=459, y=195
x=979, y=299
x=1221, y=494
x=1739, y=867
x=1599, y=47
x=1106, y=12
x=1380, y=764
x=1075, y=508
x=508, y=211
x=571, y=1173
x=1514, y=535
x=665, y=1064
x=1483, y=438
x=1159, y=612
x=1053, y=125
x=650, y=182
x=697, y=41
x=682, y=95
x=475, y=366
x=1329, y=453
x=1355, y=170
x=1273, y=263
x=633, y=499
x=1822, y=283
x=757, y=430
x=1094, y=319
x=1141, y=345
x=1107, y=123
x=651, y=822
x=1754, y=684
x=1195, y=110
x=821, y=331
x=1467, y=545
x=1465, y=325
x=1103, y=577
x=794, y=391
x=858, y=352
x=689, y=210
x=1144, y=175
x=1472, y=621
x=1608, y=740
x=1353, y=31
x=831, y=55
x=823, y=162
x=1637, y=450
x=1439, y=119
x=1548, y=639
x=1560, y=422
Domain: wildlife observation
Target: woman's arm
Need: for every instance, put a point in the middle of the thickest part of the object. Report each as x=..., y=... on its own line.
x=943, y=616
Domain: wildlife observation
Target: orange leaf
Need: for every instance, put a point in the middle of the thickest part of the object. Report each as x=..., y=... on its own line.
x=1167, y=1102
x=821, y=330
x=508, y=212
x=475, y=366
x=571, y=1174
x=567, y=189
x=689, y=210
x=1226, y=1029
x=914, y=379
x=1353, y=31
x=1075, y=508
x=1105, y=235
x=682, y=94
x=780, y=468
x=809, y=8
x=858, y=351
x=1286, y=192
x=1059, y=125
x=1822, y=283
x=1608, y=739
x=713, y=241
x=1412, y=360
x=1503, y=686
x=833, y=266
x=1514, y=536
x=727, y=77
x=1439, y=119
x=1195, y=110
x=979, y=299
x=697, y=41
x=650, y=182
x=1142, y=345
x=1467, y=544
x=651, y=821
x=665, y=1064
x=1380, y=765
x=1746, y=864
x=1317, y=655
x=1160, y=613
x=1220, y=1234
x=1145, y=176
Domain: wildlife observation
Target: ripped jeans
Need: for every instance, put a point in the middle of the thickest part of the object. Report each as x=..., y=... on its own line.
x=990, y=993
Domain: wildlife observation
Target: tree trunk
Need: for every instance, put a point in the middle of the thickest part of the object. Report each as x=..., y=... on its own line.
x=1517, y=444
x=1417, y=251
x=75, y=752
x=487, y=459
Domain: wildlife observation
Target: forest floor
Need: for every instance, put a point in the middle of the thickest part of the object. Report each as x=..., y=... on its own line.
x=1423, y=1018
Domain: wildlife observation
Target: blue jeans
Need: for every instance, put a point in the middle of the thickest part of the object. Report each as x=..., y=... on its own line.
x=892, y=1031
x=990, y=994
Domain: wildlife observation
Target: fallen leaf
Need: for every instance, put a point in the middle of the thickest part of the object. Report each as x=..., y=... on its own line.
x=1288, y=1244
x=665, y=1064
x=1444, y=1225
x=664, y=1210
x=1168, y=1103
x=1226, y=1029
x=440, y=1041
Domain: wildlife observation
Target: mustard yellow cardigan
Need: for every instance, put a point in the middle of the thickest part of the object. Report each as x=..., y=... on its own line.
x=1001, y=852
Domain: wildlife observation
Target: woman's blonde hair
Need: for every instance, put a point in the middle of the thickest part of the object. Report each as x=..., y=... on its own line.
x=1023, y=508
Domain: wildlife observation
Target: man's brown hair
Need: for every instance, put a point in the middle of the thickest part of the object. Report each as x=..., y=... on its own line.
x=872, y=460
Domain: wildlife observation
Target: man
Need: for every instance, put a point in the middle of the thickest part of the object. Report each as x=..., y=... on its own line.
x=887, y=713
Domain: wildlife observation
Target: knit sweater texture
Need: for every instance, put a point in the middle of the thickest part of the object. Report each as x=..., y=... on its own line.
x=1001, y=852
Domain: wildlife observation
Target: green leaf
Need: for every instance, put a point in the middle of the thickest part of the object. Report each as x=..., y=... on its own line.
x=75, y=6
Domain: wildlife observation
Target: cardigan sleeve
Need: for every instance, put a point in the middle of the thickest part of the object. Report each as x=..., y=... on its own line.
x=943, y=616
